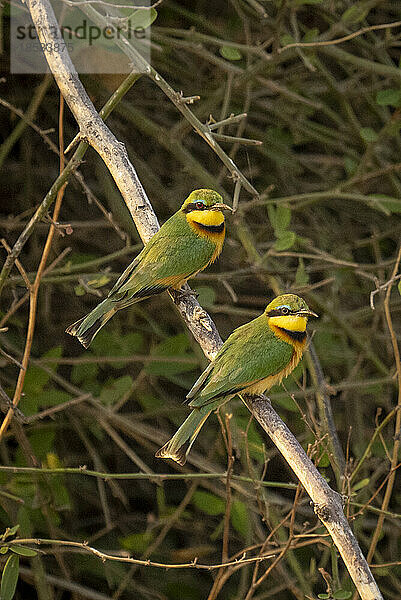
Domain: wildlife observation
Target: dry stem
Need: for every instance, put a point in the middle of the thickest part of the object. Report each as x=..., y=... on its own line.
x=34, y=288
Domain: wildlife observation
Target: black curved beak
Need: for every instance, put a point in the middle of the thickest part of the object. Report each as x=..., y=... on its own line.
x=307, y=313
x=221, y=206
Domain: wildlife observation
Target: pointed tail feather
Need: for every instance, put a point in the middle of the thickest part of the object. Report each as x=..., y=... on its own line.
x=86, y=328
x=181, y=443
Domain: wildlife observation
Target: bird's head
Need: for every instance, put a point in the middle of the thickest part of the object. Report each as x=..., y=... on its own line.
x=203, y=213
x=204, y=200
x=289, y=313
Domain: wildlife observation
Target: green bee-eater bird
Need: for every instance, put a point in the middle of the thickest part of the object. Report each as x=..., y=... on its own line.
x=186, y=244
x=255, y=357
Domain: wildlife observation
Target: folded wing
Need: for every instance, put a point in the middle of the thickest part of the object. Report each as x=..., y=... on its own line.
x=250, y=354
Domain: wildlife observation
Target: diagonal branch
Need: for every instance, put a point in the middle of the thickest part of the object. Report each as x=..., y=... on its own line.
x=178, y=100
x=326, y=502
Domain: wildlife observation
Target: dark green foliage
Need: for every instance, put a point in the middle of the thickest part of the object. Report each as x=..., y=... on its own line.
x=9, y=578
x=326, y=226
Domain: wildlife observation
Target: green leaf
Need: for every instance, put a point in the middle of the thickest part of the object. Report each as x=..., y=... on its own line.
x=386, y=203
x=356, y=13
x=240, y=517
x=132, y=342
x=4, y=549
x=143, y=18
x=323, y=596
x=286, y=39
x=137, y=542
x=208, y=503
x=311, y=35
x=56, y=352
x=115, y=390
x=53, y=398
x=286, y=402
x=324, y=461
x=279, y=217
x=84, y=373
x=23, y=550
x=206, y=295
x=368, y=134
x=285, y=241
x=174, y=347
x=389, y=97
x=60, y=495
x=150, y=403
x=301, y=276
x=24, y=518
x=9, y=578
x=230, y=53
x=271, y=211
x=108, y=343
x=98, y=281
x=283, y=217
x=301, y=2
x=35, y=380
x=79, y=290
x=342, y=595
x=399, y=287
x=161, y=501
x=78, y=258
x=350, y=165
x=42, y=442
x=361, y=484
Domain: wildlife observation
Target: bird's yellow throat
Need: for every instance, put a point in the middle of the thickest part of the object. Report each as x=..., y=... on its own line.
x=289, y=322
x=209, y=224
x=208, y=218
x=292, y=330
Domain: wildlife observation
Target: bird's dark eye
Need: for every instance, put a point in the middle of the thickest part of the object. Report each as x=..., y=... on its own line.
x=199, y=205
x=285, y=311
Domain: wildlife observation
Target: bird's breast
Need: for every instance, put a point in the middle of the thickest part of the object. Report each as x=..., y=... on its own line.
x=210, y=225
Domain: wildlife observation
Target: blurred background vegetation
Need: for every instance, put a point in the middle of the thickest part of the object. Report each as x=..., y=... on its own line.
x=326, y=226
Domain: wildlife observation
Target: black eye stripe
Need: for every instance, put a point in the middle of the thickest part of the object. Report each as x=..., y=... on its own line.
x=193, y=206
x=278, y=312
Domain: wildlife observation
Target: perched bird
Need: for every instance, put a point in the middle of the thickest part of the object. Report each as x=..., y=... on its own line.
x=186, y=244
x=255, y=357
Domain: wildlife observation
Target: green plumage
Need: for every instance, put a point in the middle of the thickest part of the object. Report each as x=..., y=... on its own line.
x=174, y=251
x=252, y=353
x=173, y=255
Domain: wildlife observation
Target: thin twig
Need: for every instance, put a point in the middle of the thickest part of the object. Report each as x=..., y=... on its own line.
x=397, y=428
x=345, y=38
x=38, y=542
x=144, y=67
x=157, y=477
x=380, y=288
x=228, y=121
